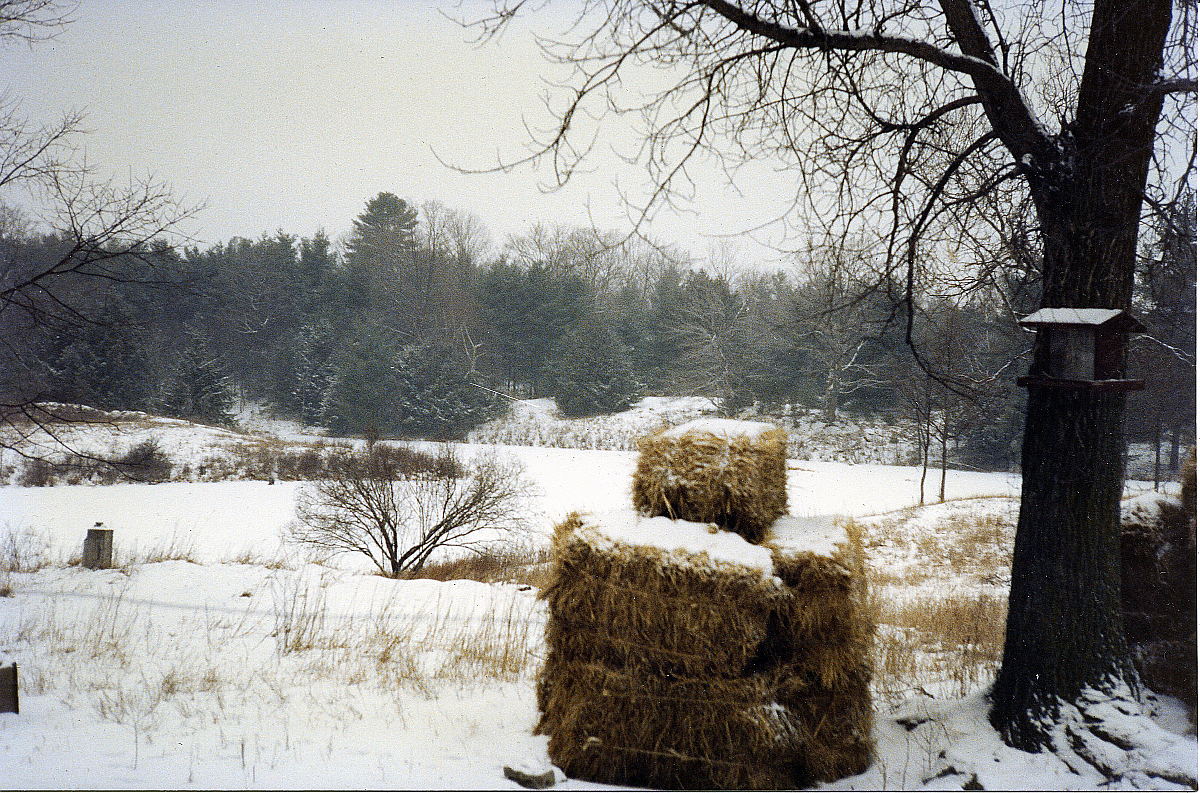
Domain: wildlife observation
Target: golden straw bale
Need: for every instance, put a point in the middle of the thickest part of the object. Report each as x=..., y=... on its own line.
x=623, y=728
x=683, y=657
x=664, y=608
x=833, y=725
x=731, y=473
x=825, y=641
x=820, y=561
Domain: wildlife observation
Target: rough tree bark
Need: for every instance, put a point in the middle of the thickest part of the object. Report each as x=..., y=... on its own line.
x=1064, y=631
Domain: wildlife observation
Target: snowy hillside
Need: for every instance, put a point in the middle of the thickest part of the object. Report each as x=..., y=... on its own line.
x=261, y=446
x=537, y=422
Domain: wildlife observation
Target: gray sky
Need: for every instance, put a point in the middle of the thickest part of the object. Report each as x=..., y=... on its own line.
x=291, y=115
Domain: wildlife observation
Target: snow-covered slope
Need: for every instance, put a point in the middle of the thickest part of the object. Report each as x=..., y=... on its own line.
x=537, y=422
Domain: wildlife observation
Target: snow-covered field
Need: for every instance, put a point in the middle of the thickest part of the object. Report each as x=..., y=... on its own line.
x=235, y=661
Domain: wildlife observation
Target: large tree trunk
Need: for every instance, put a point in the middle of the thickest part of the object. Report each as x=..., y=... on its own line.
x=1064, y=632
x=1064, y=620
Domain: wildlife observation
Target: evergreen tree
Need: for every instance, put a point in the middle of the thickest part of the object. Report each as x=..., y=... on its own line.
x=383, y=233
x=199, y=386
x=381, y=267
x=590, y=372
x=362, y=380
x=661, y=346
x=104, y=366
x=313, y=372
x=434, y=397
x=525, y=311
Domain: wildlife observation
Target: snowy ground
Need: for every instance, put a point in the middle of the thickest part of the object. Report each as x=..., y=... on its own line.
x=235, y=662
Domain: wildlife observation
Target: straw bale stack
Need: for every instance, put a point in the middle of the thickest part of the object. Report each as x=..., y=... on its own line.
x=654, y=625
x=722, y=471
x=683, y=657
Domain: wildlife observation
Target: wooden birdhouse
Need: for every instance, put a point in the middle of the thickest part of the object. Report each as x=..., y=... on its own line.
x=1080, y=348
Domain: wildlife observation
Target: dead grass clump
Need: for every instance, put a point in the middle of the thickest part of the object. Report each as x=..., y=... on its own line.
x=499, y=646
x=174, y=549
x=896, y=667
x=23, y=551
x=961, y=544
x=505, y=566
x=256, y=559
x=958, y=638
x=737, y=480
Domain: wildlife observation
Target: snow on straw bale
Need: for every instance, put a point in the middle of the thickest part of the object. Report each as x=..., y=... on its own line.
x=722, y=428
x=732, y=473
x=686, y=543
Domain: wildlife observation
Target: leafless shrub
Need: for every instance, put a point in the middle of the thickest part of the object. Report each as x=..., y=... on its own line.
x=145, y=462
x=374, y=503
x=304, y=465
x=36, y=473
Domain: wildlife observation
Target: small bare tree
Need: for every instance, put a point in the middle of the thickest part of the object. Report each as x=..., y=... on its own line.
x=398, y=515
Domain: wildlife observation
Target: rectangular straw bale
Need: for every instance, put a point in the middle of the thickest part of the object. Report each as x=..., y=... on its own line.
x=820, y=561
x=623, y=728
x=666, y=612
x=713, y=471
x=825, y=642
x=832, y=724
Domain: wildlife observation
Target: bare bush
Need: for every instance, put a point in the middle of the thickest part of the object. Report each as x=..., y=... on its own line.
x=379, y=504
x=145, y=462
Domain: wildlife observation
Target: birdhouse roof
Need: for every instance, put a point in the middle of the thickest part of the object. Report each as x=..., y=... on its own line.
x=1114, y=318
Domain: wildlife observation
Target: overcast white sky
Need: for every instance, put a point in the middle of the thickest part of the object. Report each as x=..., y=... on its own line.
x=291, y=115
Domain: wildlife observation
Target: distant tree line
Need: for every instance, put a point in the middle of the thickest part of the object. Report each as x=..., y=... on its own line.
x=417, y=326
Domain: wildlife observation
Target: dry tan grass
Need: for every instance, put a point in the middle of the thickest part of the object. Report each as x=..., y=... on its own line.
x=953, y=639
x=24, y=551
x=255, y=558
x=520, y=565
x=975, y=547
